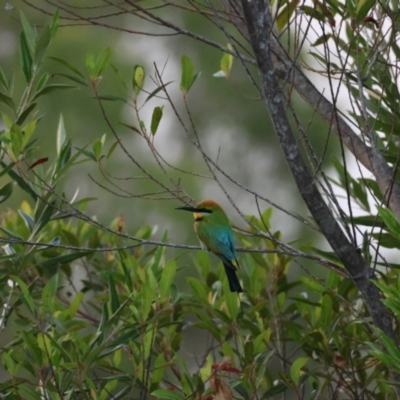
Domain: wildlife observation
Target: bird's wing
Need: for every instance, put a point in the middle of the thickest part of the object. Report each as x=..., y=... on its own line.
x=223, y=246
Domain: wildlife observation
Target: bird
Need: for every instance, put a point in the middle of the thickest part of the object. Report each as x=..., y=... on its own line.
x=215, y=234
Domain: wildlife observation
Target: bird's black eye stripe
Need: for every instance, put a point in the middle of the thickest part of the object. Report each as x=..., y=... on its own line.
x=204, y=210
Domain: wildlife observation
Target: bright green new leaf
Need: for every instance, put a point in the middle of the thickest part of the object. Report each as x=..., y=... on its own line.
x=187, y=76
x=227, y=62
x=155, y=119
x=91, y=65
x=97, y=148
x=139, y=75
x=102, y=62
x=295, y=369
x=17, y=139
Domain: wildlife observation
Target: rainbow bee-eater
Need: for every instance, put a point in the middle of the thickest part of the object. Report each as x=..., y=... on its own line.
x=215, y=234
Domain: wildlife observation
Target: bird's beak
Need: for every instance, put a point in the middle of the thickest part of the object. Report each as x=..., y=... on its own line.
x=187, y=208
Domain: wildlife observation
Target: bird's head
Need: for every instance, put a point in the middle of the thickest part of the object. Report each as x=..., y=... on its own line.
x=204, y=209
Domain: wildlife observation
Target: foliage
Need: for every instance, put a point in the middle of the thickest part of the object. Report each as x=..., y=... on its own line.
x=95, y=312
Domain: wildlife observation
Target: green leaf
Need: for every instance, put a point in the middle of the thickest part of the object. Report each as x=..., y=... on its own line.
x=7, y=100
x=131, y=127
x=114, y=300
x=20, y=181
x=26, y=296
x=111, y=98
x=26, y=57
x=363, y=8
x=325, y=319
x=73, y=78
x=30, y=34
x=30, y=341
x=24, y=114
x=3, y=79
x=91, y=65
x=28, y=131
x=29, y=221
x=67, y=65
x=295, y=369
x=50, y=290
x=61, y=134
x=232, y=300
x=41, y=48
x=97, y=148
x=198, y=288
x=112, y=148
x=54, y=23
x=167, y=278
x=43, y=215
x=278, y=389
x=64, y=259
x=227, y=62
x=154, y=92
x=155, y=119
x=187, y=76
x=6, y=191
x=102, y=61
x=284, y=16
x=167, y=394
x=118, y=74
x=321, y=40
x=390, y=221
x=42, y=81
x=139, y=75
x=51, y=88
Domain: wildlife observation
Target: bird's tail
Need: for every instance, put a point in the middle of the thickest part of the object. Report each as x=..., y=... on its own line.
x=234, y=284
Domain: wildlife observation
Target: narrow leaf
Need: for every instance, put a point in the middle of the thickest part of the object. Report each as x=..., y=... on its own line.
x=29, y=32
x=139, y=75
x=226, y=62
x=7, y=100
x=61, y=134
x=6, y=191
x=26, y=57
x=51, y=88
x=67, y=65
x=154, y=92
x=114, y=300
x=187, y=74
x=155, y=119
x=29, y=221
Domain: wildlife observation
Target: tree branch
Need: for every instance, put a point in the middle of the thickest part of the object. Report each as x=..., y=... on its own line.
x=259, y=24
